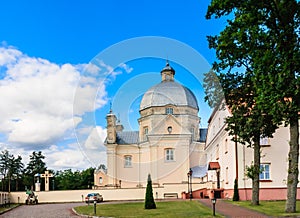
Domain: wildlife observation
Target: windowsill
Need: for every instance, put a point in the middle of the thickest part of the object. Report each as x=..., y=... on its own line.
x=170, y=161
x=127, y=166
x=265, y=180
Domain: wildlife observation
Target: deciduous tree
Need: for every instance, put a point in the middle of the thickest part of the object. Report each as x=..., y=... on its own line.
x=263, y=38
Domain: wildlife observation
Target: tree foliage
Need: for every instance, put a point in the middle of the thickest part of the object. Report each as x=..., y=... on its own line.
x=69, y=180
x=11, y=168
x=259, y=49
x=35, y=165
x=149, y=200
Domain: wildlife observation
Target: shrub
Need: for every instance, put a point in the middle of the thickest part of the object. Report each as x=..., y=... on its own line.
x=149, y=200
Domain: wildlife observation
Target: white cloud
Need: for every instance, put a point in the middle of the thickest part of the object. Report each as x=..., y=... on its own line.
x=96, y=138
x=42, y=103
x=38, y=98
x=127, y=68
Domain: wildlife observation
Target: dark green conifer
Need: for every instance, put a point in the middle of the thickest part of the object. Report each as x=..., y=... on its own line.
x=149, y=200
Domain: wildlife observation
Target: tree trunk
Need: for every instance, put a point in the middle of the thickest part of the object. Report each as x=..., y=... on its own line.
x=255, y=181
x=17, y=184
x=9, y=179
x=292, y=179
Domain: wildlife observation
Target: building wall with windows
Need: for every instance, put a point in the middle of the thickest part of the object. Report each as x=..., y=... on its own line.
x=220, y=148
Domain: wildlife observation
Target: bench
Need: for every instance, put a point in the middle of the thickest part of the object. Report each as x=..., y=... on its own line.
x=171, y=195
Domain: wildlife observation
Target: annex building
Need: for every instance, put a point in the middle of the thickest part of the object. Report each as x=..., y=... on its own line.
x=169, y=143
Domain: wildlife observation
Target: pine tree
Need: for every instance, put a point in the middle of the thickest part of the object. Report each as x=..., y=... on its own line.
x=236, y=196
x=149, y=200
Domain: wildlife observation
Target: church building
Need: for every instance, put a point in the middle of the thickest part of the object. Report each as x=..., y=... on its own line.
x=168, y=143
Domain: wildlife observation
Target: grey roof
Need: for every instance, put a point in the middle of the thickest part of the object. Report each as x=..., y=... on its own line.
x=199, y=171
x=127, y=137
x=202, y=133
x=168, y=68
x=168, y=92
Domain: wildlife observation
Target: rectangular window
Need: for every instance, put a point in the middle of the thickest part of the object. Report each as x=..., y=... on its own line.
x=145, y=133
x=226, y=146
x=169, y=154
x=264, y=141
x=226, y=176
x=169, y=110
x=265, y=172
x=127, y=160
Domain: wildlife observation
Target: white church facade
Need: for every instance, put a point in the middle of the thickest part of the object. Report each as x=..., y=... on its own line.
x=169, y=143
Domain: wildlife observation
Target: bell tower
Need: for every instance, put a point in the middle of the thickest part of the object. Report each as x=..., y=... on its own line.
x=111, y=128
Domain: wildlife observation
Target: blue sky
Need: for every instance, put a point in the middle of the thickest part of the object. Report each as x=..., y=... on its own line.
x=62, y=63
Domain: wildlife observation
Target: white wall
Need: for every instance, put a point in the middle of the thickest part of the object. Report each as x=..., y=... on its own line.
x=108, y=194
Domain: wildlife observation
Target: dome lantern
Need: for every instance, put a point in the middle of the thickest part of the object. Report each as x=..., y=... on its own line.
x=167, y=73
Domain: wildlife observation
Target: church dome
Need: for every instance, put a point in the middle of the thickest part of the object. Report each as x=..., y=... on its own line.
x=168, y=92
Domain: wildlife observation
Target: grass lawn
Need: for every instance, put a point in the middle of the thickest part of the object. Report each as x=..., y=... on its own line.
x=2, y=208
x=270, y=208
x=163, y=209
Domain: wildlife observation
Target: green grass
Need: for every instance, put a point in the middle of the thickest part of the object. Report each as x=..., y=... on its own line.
x=270, y=208
x=5, y=208
x=163, y=210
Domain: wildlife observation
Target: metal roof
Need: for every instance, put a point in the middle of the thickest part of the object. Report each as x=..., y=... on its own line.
x=169, y=92
x=127, y=137
x=199, y=171
x=202, y=133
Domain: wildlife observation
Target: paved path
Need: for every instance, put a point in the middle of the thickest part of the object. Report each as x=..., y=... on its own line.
x=230, y=210
x=44, y=211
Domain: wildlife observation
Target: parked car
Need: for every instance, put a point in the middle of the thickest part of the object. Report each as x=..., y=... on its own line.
x=92, y=197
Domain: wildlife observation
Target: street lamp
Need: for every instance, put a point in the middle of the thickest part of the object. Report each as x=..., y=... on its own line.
x=189, y=174
x=214, y=201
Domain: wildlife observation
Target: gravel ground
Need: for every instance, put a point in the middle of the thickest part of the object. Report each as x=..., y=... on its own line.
x=44, y=211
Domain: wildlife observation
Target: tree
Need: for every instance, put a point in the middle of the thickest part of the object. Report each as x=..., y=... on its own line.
x=236, y=196
x=34, y=166
x=69, y=180
x=10, y=167
x=263, y=36
x=149, y=200
x=246, y=124
x=15, y=170
x=5, y=163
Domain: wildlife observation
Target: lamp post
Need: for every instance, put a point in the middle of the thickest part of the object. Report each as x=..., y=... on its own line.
x=95, y=205
x=214, y=201
x=189, y=174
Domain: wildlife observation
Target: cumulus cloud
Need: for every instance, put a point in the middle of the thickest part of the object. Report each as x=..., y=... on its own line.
x=38, y=98
x=96, y=138
x=126, y=67
x=42, y=103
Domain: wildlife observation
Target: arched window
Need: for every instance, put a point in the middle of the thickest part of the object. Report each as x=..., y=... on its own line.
x=100, y=180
